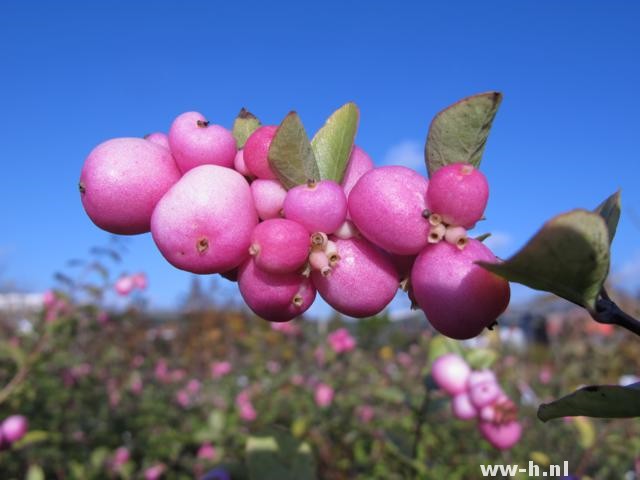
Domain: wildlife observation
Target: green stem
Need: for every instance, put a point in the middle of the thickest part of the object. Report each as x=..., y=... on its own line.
x=608, y=312
x=421, y=413
x=23, y=370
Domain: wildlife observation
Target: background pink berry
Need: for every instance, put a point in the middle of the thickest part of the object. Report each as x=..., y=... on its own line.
x=13, y=428
x=462, y=407
x=451, y=372
x=501, y=436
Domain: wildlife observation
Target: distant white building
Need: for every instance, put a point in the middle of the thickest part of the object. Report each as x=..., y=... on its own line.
x=21, y=303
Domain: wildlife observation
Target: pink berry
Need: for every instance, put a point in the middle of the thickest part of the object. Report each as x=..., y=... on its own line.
x=256, y=152
x=359, y=164
x=483, y=388
x=459, y=194
x=459, y=298
x=279, y=245
x=13, y=428
x=239, y=165
x=387, y=206
x=124, y=285
x=362, y=282
x=268, y=196
x=501, y=436
x=140, y=280
x=121, y=182
x=451, y=372
x=194, y=142
x=318, y=206
x=158, y=138
x=204, y=223
x=493, y=411
x=462, y=407
x=277, y=297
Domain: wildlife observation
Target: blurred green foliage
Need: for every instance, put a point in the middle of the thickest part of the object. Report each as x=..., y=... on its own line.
x=147, y=385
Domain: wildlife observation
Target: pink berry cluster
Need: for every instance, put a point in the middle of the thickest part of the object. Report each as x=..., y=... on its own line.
x=12, y=429
x=476, y=395
x=214, y=204
x=126, y=284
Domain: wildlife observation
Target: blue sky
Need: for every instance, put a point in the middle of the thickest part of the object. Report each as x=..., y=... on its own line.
x=75, y=74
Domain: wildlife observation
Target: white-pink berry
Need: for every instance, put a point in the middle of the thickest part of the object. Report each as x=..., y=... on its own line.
x=121, y=182
x=363, y=281
x=387, y=205
x=451, y=373
x=194, y=142
x=268, y=196
x=204, y=223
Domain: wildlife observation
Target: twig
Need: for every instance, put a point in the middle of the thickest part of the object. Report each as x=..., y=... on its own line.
x=420, y=417
x=608, y=312
x=21, y=375
x=409, y=462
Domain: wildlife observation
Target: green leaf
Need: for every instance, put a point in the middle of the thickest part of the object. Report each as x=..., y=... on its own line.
x=216, y=423
x=483, y=237
x=459, y=132
x=333, y=143
x=35, y=472
x=99, y=456
x=276, y=455
x=586, y=432
x=15, y=353
x=569, y=256
x=610, y=211
x=243, y=126
x=440, y=345
x=481, y=358
x=31, y=437
x=601, y=401
x=290, y=154
x=390, y=395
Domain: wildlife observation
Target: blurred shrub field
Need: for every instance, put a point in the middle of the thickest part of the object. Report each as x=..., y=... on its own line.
x=216, y=393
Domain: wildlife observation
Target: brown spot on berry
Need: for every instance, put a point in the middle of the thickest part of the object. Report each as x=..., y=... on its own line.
x=202, y=245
